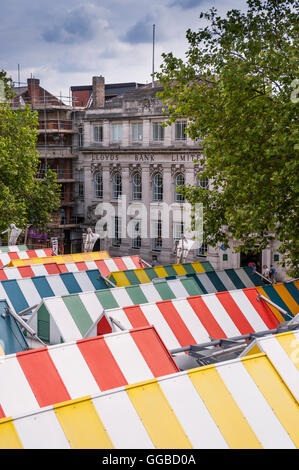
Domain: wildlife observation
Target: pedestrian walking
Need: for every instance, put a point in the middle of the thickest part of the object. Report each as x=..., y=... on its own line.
x=266, y=272
x=272, y=273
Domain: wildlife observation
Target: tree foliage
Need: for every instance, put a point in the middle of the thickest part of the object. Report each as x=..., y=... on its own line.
x=24, y=199
x=237, y=88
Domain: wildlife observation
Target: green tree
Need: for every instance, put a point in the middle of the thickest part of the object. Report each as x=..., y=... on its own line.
x=24, y=199
x=237, y=87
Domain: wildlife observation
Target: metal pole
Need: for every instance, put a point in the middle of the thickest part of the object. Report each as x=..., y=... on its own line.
x=284, y=312
x=24, y=325
x=118, y=324
x=144, y=262
x=107, y=280
x=153, y=73
x=217, y=342
x=263, y=277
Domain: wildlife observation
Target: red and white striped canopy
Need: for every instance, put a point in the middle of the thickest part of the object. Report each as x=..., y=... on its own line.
x=6, y=258
x=42, y=377
x=197, y=319
x=105, y=266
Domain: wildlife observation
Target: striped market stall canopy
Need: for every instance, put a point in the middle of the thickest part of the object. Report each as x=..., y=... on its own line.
x=228, y=279
x=105, y=266
x=76, y=316
x=285, y=295
x=283, y=352
x=42, y=377
x=239, y=404
x=47, y=258
x=5, y=249
x=24, y=293
x=194, y=320
x=24, y=256
x=142, y=276
x=12, y=339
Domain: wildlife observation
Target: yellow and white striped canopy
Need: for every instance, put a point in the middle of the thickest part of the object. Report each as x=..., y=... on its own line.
x=248, y=403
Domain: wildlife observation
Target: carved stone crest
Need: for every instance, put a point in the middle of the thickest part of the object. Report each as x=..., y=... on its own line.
x=175, y=169
x=94, y=167
x=156, y=168
x=113, y=168
x=134, y=168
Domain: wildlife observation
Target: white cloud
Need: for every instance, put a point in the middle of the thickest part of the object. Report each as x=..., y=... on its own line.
x=66, y=43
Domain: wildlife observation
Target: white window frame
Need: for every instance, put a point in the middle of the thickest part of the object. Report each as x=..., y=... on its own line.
x=116, y=231
x=116, y=185
x=203, y=183
x=179, y=132
x=157, y=189
x=157, y=239
x=136, y=234
x=137, y=131
x=136, y=187
x=178, y=197
x=98, y=185
x=116, y=132
x=178, y=230
x=98, y=133
x=158, y=135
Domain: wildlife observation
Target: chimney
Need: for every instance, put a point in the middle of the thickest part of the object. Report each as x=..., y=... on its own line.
x=98, y=92
x=33, y=90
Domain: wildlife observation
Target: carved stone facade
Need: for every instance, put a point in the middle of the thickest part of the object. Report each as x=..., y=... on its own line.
x=169, y=156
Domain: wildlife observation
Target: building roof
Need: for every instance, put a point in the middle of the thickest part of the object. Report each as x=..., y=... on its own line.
x=240, y=404
x=109, y=86
x=111, y=90
x=12, y=339
x=75, y=257
x=46, y=99
x=140, y=276
x=46, y=376
x=22, y=255
x=285, y=295
x=193, y=320
x=227, y=279
x=24, y=293
x=105, y=266
x=281, y=350
x=75, y=316
x=6, y=249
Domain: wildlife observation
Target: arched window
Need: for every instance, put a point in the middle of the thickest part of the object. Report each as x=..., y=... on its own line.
x=116, y=185
x=158, y=187
x=136, y=186
x=178, y=181
x=203, y=182
x=98, y=185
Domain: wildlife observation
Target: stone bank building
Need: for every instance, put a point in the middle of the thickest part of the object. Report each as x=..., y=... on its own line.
x=128, y=159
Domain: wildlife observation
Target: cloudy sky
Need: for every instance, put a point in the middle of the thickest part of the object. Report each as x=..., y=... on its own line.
x=66, y=42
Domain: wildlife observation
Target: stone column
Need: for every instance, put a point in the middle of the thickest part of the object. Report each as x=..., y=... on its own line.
x=167, y=136
x=146, y=132
x=107, y=187
x=106, y=133
x=146, y=199
x=125, y=243
x=168, y=199
x=87, y=134
x=125, y=134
